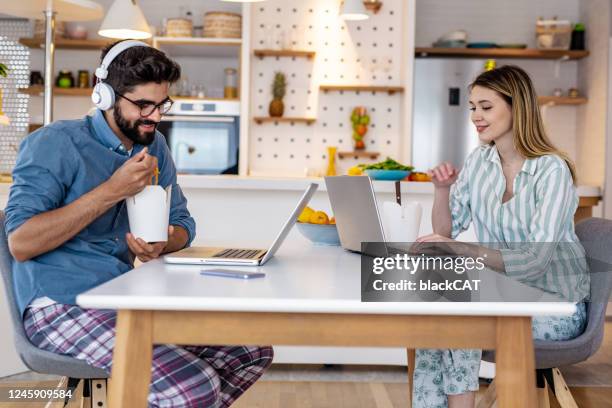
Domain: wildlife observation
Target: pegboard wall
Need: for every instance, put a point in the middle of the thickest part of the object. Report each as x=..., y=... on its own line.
x=347, y=53
x=14, y=104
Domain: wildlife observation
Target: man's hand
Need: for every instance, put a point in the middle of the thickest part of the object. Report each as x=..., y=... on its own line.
x=133, y=176
x=146, y=252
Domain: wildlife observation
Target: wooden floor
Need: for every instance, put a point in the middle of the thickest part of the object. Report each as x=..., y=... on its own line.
x=368, y=395
x=281, y=394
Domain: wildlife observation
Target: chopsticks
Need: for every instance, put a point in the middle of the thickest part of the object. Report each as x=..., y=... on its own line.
x=156, y=176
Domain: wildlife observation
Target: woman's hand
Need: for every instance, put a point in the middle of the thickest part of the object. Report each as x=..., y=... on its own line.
x=434, y=245
x=443, y=175
x=435, y=238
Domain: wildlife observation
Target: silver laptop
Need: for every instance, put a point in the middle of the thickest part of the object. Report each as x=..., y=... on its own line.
x=357, y=217
x=240, y=256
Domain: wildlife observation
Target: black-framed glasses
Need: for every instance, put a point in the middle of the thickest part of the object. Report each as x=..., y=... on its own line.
x=147, y=108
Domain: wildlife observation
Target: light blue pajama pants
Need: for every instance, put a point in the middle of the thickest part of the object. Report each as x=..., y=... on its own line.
x=442, y=372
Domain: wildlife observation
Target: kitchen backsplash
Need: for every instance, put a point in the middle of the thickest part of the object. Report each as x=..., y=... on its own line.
x=14, y=104
x=347, y=53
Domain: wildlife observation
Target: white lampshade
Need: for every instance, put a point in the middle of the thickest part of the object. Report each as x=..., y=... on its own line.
x=243, y=1
x=353, y=10
x=124, y=19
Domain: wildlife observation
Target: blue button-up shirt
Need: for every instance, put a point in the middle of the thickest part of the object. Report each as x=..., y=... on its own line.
x=58, y=164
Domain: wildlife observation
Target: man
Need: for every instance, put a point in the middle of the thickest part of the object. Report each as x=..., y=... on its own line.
x=68, y=231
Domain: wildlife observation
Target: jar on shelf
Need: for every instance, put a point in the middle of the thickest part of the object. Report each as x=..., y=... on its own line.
x=231, y=83
x=65, y=79
x=83, y=81
x=36, y=78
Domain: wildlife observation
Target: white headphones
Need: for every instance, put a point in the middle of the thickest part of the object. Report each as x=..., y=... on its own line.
x=103, y=95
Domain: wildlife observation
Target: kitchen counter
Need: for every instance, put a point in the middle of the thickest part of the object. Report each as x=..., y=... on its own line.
x=229, y=182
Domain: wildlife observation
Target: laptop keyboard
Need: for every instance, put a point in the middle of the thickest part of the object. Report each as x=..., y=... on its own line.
x=237, y=253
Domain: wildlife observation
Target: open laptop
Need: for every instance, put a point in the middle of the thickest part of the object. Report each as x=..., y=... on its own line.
x=241, y=256
x=357, y=217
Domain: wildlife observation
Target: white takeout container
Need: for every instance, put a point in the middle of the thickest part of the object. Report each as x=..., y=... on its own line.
x=401, y=223
x=149, y=213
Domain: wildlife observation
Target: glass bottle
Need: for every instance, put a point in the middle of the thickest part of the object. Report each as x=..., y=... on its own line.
x=231, y=84
x=331, y=161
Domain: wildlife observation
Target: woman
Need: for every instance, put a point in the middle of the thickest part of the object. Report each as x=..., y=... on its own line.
x=516, y=189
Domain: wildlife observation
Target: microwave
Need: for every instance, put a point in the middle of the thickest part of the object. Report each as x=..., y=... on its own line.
x=203, y=136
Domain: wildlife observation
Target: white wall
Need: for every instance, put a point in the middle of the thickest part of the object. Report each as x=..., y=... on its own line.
x=499, y=21
x=593, y=79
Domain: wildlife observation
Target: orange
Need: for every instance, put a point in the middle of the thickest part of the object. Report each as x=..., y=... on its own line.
x=319, y=217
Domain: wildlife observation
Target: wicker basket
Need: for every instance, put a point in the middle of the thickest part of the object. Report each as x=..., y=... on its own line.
x=219, y=24
x=179, y=27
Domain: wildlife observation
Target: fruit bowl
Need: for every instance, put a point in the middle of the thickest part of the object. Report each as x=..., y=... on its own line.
x=389, y=175
x=320, y=234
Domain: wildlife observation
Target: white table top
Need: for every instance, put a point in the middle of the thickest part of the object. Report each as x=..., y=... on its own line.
x=299, y=279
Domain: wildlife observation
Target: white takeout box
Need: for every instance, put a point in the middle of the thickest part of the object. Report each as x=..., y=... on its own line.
x=149, y=213
x=401, y=223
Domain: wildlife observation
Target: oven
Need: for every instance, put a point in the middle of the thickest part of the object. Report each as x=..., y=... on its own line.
x=203, y=136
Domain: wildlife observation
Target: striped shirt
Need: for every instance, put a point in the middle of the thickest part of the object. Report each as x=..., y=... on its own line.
x=534, y=230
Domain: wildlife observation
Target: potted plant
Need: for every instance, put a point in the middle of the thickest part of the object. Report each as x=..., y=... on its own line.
x=279, y=88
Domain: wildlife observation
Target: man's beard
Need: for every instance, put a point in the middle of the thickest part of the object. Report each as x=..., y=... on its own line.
x=131, y=130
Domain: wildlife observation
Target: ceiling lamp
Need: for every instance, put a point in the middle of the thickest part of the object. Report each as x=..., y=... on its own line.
x=124, y=19
x=353, y=10
x=243, y=1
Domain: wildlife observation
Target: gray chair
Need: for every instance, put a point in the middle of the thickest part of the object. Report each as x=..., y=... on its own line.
x=42, y=361
x=595, y=234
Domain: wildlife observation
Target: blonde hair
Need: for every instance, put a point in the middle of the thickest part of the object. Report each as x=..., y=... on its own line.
x=516, y=88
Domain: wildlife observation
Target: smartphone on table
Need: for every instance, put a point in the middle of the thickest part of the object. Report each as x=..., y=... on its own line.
x=228, y=273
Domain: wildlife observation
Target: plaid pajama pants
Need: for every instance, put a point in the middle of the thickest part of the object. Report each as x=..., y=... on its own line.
x=185, y=376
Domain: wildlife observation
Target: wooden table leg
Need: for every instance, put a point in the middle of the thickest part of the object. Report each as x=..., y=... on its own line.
x=411, y=354
x=132, y=359
x=515, y=360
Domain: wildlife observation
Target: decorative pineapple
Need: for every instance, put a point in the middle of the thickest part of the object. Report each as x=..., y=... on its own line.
x=279, y=88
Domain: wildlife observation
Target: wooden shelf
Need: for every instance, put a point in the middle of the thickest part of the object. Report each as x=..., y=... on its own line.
x=261, y=120
x=202, y=41
x=561, y=100
x=37, y=90
x=199, y=46
x=67, y=44
x=527, y=53
x=357, y=154
x=206, y=98
x=359, y=88
x=284, y=53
